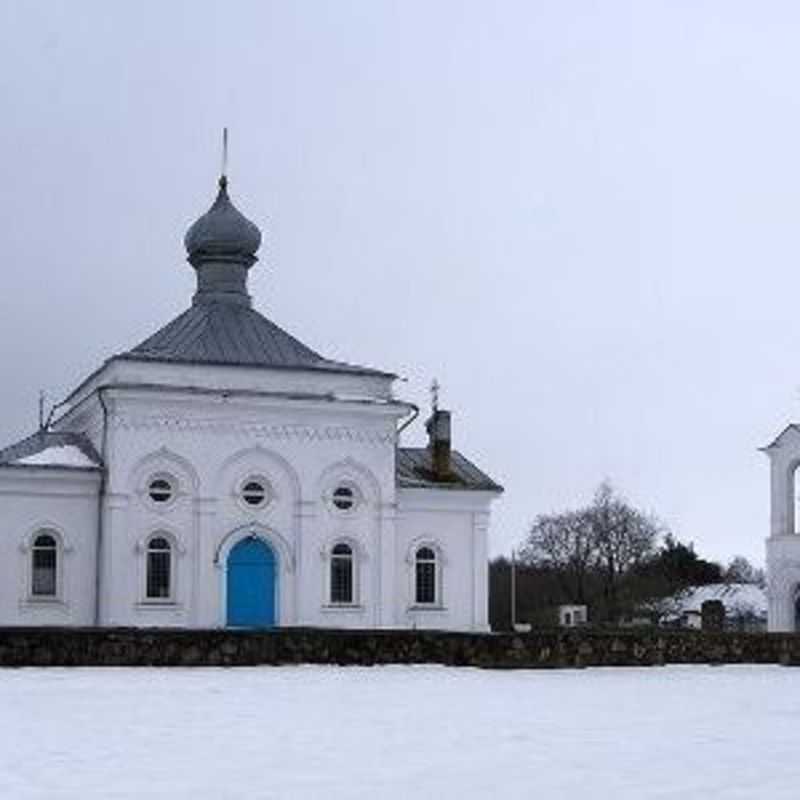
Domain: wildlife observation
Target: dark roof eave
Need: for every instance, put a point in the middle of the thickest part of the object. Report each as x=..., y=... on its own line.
x=328, y=368
x=450, y=486
x=49, y=467
x=366, y=371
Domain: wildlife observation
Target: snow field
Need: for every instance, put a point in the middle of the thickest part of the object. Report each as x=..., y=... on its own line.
x=400, y=732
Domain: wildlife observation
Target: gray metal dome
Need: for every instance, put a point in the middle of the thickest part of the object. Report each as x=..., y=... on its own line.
x=223, y=233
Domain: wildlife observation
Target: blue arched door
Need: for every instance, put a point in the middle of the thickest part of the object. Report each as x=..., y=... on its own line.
x=252, y=585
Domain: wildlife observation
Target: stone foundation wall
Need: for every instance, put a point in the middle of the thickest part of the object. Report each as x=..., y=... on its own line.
x=540, y=649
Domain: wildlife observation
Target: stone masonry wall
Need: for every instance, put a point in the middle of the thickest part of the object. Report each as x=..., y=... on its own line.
x=539, y=649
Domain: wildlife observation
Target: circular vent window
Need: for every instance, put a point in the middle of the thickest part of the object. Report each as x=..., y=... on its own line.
x=344, y=498
x=254, y=493
x=160, y=490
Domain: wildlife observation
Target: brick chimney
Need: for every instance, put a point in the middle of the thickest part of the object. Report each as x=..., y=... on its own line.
x=438, y=427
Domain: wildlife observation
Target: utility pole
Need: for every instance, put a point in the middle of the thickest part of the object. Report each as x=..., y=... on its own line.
x=41, y=410
x=513, y=589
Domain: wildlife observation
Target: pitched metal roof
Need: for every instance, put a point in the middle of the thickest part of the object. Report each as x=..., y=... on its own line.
x=791, y=427
x=414, y=470
x=45, y=440
x=231, y=334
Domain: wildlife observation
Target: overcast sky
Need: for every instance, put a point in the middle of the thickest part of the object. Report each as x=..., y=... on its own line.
x=581, y=217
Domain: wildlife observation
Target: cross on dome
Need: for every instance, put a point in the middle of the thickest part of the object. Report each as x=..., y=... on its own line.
x=435, y=389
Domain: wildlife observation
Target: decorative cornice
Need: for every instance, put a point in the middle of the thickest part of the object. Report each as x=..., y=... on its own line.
x=293, y=432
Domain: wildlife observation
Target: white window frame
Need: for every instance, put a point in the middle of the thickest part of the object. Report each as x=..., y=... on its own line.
x=174, y=549
x=438, y=589
x=352, y=558
x=45, y=599
x=358, y=557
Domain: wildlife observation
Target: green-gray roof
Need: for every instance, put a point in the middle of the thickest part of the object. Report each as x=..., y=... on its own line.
x=228, y=333
x=414, y=470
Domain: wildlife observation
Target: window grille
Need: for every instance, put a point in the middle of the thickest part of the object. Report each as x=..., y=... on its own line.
x=342, y=574
x=45, y=566
x=159, y=569
x=160, y=490
x=426, y=576
x=254, y=493
x=344, y=498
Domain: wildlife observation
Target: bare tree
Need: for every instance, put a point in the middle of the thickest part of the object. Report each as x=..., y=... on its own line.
x=623, y=537
x=740, y=570
x=598, y=544
x=563, y=543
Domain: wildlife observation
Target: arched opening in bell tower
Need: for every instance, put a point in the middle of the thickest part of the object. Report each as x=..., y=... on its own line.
x=794, y=499
x=796, y=618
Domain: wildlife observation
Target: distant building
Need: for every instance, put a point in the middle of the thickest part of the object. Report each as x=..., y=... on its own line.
x=572, y=616
x=222, y=473
x=745, y=606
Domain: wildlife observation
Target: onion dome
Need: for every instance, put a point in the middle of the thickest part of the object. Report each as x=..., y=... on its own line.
x=222, y=231
x=222, y=246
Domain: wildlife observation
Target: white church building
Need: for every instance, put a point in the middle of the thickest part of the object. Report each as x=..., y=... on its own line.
x=222, y=473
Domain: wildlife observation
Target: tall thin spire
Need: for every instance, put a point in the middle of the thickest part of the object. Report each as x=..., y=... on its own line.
x=223, y=175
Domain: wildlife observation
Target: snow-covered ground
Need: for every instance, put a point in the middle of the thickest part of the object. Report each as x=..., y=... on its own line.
x=400, y=732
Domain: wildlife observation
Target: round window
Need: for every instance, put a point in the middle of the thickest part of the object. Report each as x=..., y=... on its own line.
x=254, y=493
x=160, y=490
x=344, y=498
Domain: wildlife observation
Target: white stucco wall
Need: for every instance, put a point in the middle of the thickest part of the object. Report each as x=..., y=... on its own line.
x=209, y=446
x=455, y=525
x=62, y=502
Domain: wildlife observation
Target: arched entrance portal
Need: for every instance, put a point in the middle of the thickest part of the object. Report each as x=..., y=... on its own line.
x=252, y=585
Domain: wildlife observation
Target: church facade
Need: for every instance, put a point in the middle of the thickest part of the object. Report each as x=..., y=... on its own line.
x=221, y=473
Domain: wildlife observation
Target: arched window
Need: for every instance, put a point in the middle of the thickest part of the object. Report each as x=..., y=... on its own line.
x=342, y=574
x=159, y=569
x=44, y=566
x=426, y=589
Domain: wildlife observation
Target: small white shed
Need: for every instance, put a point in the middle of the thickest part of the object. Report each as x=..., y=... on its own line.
x=572, y=616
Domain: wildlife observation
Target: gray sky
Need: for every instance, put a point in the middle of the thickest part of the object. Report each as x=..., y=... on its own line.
x=581, y=217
